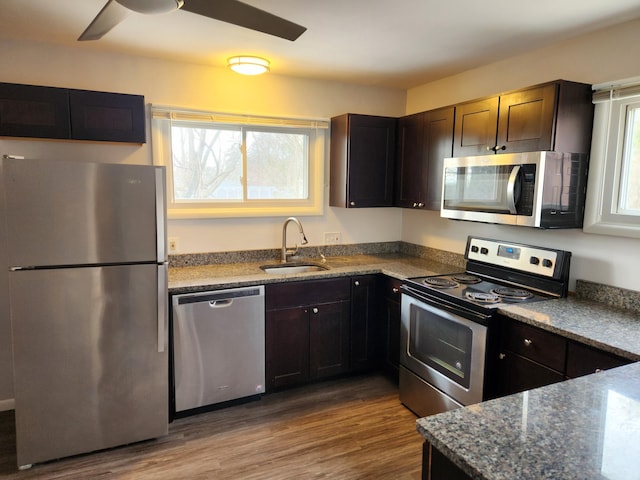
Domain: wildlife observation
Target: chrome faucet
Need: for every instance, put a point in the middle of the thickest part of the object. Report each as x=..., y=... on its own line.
x=303, y=239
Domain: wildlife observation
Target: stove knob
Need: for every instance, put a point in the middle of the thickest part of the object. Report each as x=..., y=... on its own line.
x=547, y=263
x=474, y=248
x=534, y=261
x=484, y=250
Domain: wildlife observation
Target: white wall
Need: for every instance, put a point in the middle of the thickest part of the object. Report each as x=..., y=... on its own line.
x=606, y=55
x=196, y=86
x=217, y=89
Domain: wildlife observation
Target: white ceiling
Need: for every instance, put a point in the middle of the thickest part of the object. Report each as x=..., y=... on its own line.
x=395, y=43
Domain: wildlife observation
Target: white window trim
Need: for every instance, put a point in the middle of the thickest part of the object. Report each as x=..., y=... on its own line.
x=601, y=215
x=161, y=151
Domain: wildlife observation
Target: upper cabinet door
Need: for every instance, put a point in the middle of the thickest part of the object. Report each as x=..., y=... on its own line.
x=410, y=168
x=363, y=149
x=526, y=120
x=475, y=127
x=33, y=111
x=103, y=116
x=438, y=145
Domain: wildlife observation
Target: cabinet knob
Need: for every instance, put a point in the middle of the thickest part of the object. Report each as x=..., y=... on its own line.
x=490, y=149
x=527, y=342
x=356, y=283
x=502, y=356
x=352, y=203
x=414, y=205
x=420, y=205
x=500, y=147
x=597, y=370
x=395, y=290
x=315, y=310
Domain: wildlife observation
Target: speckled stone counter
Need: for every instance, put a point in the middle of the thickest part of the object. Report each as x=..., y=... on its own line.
x=586, y=428
x=614, y=330
x=206, y=277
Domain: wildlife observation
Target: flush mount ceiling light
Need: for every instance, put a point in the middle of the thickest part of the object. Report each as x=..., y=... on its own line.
x=247, y=65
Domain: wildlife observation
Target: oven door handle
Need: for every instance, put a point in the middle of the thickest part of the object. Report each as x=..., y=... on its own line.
x=511, y=190
x=445, y=305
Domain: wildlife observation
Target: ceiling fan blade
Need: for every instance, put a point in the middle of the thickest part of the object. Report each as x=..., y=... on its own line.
x=110, y=16
x=238, y=13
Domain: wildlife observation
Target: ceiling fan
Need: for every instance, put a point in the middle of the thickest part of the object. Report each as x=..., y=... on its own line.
x=229, y=11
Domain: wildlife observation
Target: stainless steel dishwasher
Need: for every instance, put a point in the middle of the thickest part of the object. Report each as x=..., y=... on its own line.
x=218, y=346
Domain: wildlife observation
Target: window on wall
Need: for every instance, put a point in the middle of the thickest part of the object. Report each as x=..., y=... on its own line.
x=221, y=165
x=613, y=194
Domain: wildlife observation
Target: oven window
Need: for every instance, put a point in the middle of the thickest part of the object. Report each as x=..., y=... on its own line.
x=442, y=344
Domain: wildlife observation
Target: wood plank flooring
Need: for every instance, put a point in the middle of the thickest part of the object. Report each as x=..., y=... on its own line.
x=351, y=428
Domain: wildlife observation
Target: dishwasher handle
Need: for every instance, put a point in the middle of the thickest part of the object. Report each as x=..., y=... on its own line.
x=227, y=302
x=221, y=298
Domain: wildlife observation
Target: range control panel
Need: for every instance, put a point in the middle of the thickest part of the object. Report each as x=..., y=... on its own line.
x=524, y=258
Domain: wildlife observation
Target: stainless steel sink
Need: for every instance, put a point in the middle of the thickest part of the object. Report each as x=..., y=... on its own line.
x=284, y=268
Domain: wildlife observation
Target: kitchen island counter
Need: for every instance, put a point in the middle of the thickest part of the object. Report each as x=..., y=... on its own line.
x=586, y=428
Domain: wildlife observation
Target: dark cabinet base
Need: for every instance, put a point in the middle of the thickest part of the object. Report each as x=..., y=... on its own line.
x=435, y=466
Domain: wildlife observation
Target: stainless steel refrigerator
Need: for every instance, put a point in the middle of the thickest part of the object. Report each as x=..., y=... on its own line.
x=86, y=249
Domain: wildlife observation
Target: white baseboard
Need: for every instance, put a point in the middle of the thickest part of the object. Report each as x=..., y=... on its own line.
x=8, y=404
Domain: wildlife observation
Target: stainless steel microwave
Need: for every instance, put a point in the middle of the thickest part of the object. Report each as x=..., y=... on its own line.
x=532, y=189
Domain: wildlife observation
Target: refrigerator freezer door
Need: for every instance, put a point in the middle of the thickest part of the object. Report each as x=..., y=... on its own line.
x=88, y=374
x=73, y=213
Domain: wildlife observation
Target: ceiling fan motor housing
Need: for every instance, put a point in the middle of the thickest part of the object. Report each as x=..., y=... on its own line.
x=151, y=6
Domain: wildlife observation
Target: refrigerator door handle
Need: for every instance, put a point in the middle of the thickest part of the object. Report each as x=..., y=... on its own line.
x=163, y=313
x=161, y=218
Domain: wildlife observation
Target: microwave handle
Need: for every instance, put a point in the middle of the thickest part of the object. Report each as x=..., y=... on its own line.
x=511, y=186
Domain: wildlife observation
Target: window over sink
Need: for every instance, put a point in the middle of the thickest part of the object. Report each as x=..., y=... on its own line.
x=613, y=194
x=227, y=165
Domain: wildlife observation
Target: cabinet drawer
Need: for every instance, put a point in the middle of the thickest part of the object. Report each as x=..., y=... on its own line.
x=312, y=292
x=583, y=360
x=538, y=345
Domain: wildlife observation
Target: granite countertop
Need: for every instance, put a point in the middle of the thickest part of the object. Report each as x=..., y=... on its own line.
x=586, y=428
x=206, y=277
x=614, y=330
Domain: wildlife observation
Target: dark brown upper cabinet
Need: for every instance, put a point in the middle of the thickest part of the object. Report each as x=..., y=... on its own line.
x=61, y=113
x=32, y=111
x=109, y=117
x=424, y=141
x=556, y=116
x=362, y=161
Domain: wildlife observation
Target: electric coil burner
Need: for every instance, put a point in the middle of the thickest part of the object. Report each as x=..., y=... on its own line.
x=447, y=320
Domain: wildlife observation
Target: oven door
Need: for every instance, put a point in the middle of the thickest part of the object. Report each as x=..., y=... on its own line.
x=442, y=348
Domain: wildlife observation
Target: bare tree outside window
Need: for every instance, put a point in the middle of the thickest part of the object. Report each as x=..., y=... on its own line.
x=207, y=163
x=227, y=165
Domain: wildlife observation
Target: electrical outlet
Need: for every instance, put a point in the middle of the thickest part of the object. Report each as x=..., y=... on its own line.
x=173, y=244
x=332, y=238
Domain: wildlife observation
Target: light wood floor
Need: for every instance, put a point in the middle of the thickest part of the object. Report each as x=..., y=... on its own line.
x=353, y=428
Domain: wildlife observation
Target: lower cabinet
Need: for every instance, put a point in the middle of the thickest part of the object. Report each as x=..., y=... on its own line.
x=366, y=326
x=584, y=360
x=530, y=357
x=390, y=293
x=435, y=466
x=307, y=331
x=322, y=328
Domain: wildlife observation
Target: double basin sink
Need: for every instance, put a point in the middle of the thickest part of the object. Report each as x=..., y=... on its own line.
x=285, y=268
